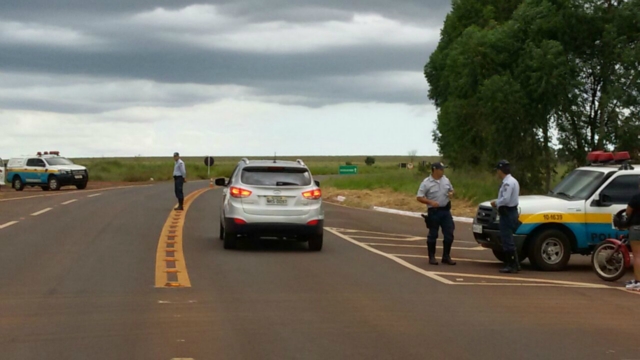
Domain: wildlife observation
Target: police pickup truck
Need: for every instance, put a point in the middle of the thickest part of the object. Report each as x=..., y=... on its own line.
x=571, y=219
x=49, y=171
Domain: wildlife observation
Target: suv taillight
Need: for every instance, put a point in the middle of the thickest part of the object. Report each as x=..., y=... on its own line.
x=314, y=194
x=237, y=192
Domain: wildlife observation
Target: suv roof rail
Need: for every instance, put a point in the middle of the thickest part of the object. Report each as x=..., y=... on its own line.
x=300, y=162
x=245, y=160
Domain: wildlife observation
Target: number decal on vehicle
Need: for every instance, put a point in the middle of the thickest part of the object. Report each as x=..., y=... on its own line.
x=552, y=217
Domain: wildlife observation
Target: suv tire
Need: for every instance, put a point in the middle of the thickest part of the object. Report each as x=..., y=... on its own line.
x=81, y=186
x=315, y=242
x=18, y=184
x=499, y=254
x=53, y=183
x=550, y=250
x=230, y=240
x=221, y=231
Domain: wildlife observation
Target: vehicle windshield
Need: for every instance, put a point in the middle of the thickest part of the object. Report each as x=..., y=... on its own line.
x=276, y=176
x=579, y=185
x=57, y=161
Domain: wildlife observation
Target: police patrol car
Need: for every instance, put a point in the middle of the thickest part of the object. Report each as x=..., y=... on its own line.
x=572, y=218
x=2, y=172
x=49, y=171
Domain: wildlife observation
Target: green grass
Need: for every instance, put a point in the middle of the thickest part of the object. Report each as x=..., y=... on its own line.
x=475, y=186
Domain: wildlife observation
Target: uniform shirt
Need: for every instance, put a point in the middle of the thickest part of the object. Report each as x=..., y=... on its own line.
x=509, y=192
x=179, y=169
x=436, y=190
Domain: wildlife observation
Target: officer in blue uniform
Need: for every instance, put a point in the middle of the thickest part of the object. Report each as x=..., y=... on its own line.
x=179, y=178
x=435, y=192
x=507, y=204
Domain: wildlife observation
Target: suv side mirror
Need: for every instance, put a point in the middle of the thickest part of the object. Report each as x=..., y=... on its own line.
x=221, y=182
x=317, y=183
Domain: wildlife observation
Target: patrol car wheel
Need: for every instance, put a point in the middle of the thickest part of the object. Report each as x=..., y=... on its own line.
x=54, y=185
x=81, y=186
x=17, y=184
x=550, y=251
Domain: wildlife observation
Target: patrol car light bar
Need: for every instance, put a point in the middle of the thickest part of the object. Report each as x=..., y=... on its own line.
x=601, y=157
x=57, y=153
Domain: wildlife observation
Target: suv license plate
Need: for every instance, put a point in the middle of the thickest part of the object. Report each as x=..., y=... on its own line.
x=477, y=229
x=276, y=200
x=79, y=176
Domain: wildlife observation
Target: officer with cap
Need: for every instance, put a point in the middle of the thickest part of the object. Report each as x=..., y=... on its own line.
x=436, y=192
x=179, y=178
x=507, y=204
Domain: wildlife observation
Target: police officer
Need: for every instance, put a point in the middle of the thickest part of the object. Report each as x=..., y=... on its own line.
x=435, y=192
x=179, y=178
x=507, y=204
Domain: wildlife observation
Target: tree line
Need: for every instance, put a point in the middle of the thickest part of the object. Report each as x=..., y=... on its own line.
x=536, y=82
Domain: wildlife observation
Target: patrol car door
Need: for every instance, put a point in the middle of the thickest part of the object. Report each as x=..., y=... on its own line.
x=612, y=197
x=34, y=168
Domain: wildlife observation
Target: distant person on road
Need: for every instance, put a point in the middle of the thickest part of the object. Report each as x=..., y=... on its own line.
x=436, y=192
x=507, y=204
x=633, y=221
x=179, y=178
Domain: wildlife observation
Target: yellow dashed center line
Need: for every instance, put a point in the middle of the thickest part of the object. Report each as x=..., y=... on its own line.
x=171, y=267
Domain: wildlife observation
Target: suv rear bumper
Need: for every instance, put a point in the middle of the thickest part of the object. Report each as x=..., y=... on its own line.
x=490, y=239
x=274, y=229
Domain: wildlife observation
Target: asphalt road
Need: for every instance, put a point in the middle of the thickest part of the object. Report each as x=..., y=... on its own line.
x=78, y=282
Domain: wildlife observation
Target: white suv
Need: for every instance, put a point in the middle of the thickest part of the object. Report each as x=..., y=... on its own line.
x=271, y=198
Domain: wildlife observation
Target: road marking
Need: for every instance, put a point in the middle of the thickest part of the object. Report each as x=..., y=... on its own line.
x=391, y=257
x=439, y=276
x=477, y=248
x=41, y=212
x=71, y=193
x=415, y=238
x=8, y=224
x=455, y=258
x=69, y=202
x=171, y=267
x=94, y=195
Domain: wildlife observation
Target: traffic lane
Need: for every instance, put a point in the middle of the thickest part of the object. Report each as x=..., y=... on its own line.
x=473, y=260
x=345, y=302
x=388, y=230
x=79, y=283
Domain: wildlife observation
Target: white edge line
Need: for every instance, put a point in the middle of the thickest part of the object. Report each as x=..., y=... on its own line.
x=455, y=258
x=558, y=282
x=69, y=202
x=477, y=248
x=41, y=212
x=391, y=257
x=83, y=191
x=8, y=224
x=417, y=215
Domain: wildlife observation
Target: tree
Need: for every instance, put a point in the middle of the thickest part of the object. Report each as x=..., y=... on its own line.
x=370, y=160
x=412, y=155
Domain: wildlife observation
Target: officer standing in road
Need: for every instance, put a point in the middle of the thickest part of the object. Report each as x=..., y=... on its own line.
x=507, y=204
x=435, y=192
x=179, y=178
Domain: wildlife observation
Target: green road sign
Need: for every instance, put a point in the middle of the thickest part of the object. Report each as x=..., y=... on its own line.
x=348, y=170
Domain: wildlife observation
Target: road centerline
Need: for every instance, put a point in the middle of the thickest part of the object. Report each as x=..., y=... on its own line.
x=171, y=267
x=3, y=226
x=69, y=202
x=41, y=212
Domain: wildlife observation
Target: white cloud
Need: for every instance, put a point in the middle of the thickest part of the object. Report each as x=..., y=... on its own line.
x=12, y=32
x=224, y=128
x=205, y=27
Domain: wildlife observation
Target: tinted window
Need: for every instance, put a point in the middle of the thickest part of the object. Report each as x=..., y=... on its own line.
x=275, y=176
x=35, y=162
x=621, y=189
x=580, y=184
x=59, y=161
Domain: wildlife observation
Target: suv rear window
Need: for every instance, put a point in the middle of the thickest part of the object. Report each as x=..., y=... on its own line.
x=275, y=176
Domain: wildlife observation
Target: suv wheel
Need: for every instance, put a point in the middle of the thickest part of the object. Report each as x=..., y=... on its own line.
x=550, y=251
x=17, y=184
x=230, y=240
x=315, y=242
x=53, y=183
x=221, y=236
x=81, y=186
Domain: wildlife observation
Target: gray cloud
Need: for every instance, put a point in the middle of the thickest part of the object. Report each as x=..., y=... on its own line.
x=103, y=42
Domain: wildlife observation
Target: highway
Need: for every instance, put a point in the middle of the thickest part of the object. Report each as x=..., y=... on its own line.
x=114, y=274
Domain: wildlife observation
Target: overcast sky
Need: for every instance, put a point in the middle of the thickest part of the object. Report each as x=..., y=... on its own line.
x=241, y=77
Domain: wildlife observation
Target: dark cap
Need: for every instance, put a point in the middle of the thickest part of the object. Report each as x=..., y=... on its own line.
x=438, y=166
x=503, y=164
x=176, y=154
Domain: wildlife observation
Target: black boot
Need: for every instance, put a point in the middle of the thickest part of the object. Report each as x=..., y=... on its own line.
x=180, y=205
x=517, y=261
x=446, y=255
x=511, y=266
x=432, y=254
